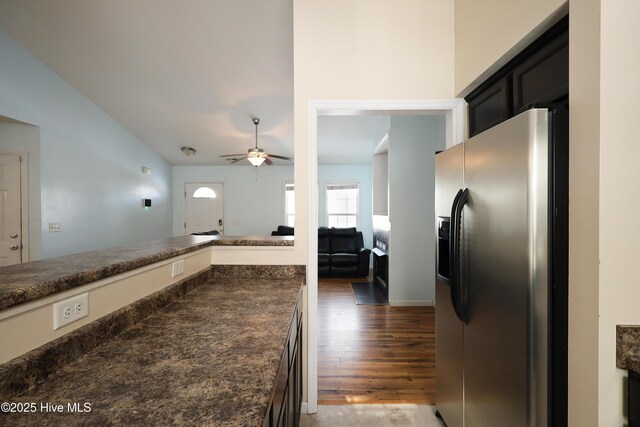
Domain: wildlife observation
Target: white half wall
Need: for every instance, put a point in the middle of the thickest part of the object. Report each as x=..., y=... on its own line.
x=90, y=170
x=413, y=141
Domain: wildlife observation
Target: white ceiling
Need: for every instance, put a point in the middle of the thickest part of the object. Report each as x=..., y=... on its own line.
x=188, y=72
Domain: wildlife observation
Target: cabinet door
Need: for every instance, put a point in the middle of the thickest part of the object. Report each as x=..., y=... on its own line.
x=292, y=385
x=293, y=334
x=490, y=106
x=267, y=420
x=283, y=420
x=279, y=397
x=299, y=379
x=543, y=77
x=634, y=399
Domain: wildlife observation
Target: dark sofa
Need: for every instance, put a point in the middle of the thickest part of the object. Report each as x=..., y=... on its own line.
x=341, y=251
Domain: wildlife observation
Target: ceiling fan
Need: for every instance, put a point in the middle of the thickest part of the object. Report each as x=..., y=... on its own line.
x=255, y=155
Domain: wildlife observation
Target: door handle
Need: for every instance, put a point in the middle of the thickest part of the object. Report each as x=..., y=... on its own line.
x=453, y=249
x=457, y=286
x=13, y=235
x=14, y=247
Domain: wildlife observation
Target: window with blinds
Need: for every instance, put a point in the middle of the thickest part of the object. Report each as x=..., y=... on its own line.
x=342, y=205
x=289, y=204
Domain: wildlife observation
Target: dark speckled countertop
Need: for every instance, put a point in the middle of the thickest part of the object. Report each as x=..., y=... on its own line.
x=25, y=282
x=253, y=241
x=210, y=358
x=628, y=347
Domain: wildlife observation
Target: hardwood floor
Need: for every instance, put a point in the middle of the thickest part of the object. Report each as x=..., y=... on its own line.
x=372, y=353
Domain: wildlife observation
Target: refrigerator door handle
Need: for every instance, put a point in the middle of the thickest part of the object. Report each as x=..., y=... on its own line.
x=453, y=249
x=457, y=292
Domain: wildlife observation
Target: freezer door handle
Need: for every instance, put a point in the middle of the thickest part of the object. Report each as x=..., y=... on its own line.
x=452, y=256
x=457, y=297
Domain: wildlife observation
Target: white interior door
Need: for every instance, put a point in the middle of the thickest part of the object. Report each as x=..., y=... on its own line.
x=10, y=210
x=204, y=208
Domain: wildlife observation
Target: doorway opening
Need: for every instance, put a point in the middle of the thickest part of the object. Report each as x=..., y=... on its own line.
x=452, y=113
x=14, y=218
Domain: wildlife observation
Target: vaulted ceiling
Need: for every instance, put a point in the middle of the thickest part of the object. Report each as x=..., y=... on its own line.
x=185, y=73
x=174, y=73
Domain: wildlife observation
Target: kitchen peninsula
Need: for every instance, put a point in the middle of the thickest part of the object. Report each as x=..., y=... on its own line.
x=207, y=349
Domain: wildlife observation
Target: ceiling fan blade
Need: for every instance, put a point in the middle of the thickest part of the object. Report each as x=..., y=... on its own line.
x=275, y=156
x=236, y=160
x=268, y=161
x=233, y=155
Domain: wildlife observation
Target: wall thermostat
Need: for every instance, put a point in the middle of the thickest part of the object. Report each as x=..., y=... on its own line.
x=146, y=203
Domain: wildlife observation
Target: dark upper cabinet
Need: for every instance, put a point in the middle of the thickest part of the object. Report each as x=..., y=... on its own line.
x=544, y=77
x=538, y=75
x=490, y=107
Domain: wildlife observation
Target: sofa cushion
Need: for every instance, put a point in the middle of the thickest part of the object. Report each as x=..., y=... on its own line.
x=324, y=270
x=344, y=260
x=284, y=230
x=337, y=270
x=343, y=240
x=324, y=245
x=323, y=259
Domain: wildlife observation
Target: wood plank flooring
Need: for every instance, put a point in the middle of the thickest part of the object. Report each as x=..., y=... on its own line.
x=372, y=353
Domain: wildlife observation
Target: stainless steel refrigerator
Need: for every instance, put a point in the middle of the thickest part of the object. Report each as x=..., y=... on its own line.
x=501, y=287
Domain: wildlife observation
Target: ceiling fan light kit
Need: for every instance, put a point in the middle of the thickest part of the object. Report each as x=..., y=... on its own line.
x=188, y=151
x=256, y=156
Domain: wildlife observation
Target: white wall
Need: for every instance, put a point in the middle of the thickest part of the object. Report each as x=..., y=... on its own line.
x=24, y=138
x=584, y=214
x=373, y=49
x=253, y=198
x=91, y=180
x=413, y=141
x=619, y=237
x=488, y=33
x=360, y=174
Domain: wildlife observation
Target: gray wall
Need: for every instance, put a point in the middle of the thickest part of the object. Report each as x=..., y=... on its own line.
x=254, y=199
x=413, y=141
x=90, y=171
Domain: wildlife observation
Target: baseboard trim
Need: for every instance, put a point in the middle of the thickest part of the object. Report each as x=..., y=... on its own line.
x=420, y=303
x=304, y=408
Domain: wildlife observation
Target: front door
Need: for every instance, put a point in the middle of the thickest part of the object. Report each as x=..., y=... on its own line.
x=10, y=210
x=204, y=210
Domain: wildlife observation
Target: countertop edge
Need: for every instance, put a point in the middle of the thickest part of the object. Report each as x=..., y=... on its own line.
x=12, y=298
x=20, y=283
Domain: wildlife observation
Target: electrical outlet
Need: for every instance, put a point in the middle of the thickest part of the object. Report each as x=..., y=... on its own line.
x=70, y=310
x=177, y=268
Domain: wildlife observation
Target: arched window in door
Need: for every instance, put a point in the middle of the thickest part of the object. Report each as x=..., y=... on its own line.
x=204, y=193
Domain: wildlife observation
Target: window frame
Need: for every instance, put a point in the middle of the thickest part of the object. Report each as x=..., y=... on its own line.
x=286, y=214
x=326, y=190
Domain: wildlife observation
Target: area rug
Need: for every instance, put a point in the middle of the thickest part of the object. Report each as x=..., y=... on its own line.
x=368, y=293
